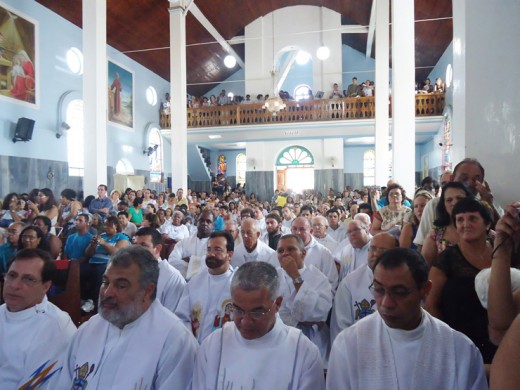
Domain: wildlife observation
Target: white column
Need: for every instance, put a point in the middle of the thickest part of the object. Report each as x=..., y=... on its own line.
x=179, y=121
x=382, y=90
x=95, y=94
x=458, y=133
x=403, y=93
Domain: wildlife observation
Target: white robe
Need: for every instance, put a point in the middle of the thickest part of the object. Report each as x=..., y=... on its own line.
x=328, y=242
x=192, y=247
x=369, y=355
x=267, y=363
x=155, y=351
x=176, y=233
x=311, y=303
x=351, y=258
x=320, y=257
x=262, y=252
x=353, y=300
x=205, y=303
x=32, y=341
x=339, y=234
x=170, y=285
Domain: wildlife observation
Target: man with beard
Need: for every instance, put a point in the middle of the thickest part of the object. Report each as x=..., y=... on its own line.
x=134, y=341
x=252, y=249
x=205, y=304
x=273, y=223
x=188, y=255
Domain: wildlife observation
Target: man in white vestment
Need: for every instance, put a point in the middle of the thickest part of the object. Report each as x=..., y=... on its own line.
x=317, y=254
x=306, y=292
x=319, y=231
x=252, y=248
x=189, y=253
x=257, y=350
x=33, y=332
x=337, y=229
x=134, y=342
x=171, y=283
x=206, y=302
x=354, y=300
x=355, y=254
x=232, y=228
x=402, y=346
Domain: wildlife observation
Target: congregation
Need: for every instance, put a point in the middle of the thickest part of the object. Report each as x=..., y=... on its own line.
x=368, y=288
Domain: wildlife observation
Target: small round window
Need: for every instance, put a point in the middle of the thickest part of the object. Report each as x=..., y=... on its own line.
x=75, y=60
x=151, y=96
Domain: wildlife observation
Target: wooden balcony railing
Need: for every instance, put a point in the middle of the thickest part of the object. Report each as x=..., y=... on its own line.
x=302, y=111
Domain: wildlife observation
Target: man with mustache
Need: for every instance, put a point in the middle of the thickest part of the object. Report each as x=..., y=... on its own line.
x=205, y=304
x=134, y=341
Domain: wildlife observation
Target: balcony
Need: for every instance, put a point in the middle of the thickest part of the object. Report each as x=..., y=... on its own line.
x=302, y=111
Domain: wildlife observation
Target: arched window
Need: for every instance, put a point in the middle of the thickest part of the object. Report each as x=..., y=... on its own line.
x=75, y=137
x=302, y=92
x=295, y=156
x=241, y=169
x=124, y=167
x=155, y=155
x=369, y=168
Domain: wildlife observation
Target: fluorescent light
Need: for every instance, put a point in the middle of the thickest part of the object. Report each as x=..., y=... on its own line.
x=214, y=136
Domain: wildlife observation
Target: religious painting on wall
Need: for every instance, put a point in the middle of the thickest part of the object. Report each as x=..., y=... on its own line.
x=18, y=57
x=120, y=96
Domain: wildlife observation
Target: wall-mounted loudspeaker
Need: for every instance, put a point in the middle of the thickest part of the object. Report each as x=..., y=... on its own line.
x=24, y=130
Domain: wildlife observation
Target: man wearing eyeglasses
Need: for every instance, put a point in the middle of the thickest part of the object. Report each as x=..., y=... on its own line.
x=134, y=342
x=354, y=300
x=257, y=350
x=402, y=346
x=33, y=332
x=355, y=254
x=205, y=304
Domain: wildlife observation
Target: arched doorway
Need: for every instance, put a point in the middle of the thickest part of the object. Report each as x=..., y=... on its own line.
x=295, y=169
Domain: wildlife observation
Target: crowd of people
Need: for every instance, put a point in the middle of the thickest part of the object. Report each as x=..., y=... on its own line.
x=374, y=287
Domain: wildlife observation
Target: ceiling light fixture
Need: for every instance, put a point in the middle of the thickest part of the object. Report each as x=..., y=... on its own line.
x=323, y=51
x=274, y=104
x=230, y=61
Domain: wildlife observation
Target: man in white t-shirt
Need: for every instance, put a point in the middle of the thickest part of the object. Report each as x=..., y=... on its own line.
x=252, y=248
x=33, y=332
x=257, y=350
x=205, y=304
x=402, y=346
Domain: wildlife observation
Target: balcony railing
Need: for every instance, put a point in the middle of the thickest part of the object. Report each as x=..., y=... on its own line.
x=302, y=111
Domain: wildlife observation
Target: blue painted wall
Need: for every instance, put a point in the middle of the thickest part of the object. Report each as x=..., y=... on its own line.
x=56, y=36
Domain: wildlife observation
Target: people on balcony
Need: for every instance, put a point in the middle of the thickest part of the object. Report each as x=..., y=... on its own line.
x=336, y=93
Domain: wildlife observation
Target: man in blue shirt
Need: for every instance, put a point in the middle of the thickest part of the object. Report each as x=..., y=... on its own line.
x=77, y=243
x=102, y=204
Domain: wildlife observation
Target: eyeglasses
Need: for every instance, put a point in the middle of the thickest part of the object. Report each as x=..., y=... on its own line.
x=28, y=280
x=256, y=315
x=395, y=293
x=29, y=238
x=12, y=231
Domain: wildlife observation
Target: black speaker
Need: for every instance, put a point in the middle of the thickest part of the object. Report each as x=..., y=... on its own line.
x=24, y=130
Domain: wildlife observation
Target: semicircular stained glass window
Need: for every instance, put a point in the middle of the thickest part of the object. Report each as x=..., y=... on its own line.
x=295, y=156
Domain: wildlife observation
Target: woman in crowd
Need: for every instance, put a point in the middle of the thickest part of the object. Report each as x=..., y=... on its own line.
x=444, y=232
x=136, y=212
x=8, y=214
x=390, y=218
x=453, y=298
x=411, y=224
x=169, y=214
x=68, y=210
x=99, y=250
x=46, y=206
x=115, y=197
x=150, y=220
x=33, y=237
x=97, y=223
x=161, y=202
